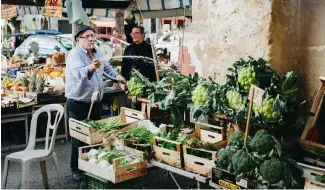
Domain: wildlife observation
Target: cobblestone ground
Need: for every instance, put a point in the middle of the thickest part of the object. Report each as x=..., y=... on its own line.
x=155, y=179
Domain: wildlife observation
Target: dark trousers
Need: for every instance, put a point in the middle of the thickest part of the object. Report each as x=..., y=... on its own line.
x=79, y=111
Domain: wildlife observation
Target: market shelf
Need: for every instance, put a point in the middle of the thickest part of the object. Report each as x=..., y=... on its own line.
x=179, y=171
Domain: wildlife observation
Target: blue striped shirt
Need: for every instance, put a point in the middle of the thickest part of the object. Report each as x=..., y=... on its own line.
x=79, y=86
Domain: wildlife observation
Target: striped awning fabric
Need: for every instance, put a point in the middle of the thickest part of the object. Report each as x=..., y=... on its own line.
x=151, y=5
x=144, y=5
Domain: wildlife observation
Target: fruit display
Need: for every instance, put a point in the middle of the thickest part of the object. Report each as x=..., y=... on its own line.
x=40, y=82
x=58, y=57
x=32, y=83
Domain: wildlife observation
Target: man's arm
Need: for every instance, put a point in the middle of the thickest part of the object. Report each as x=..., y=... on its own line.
x=126, y=65
x=109, y=69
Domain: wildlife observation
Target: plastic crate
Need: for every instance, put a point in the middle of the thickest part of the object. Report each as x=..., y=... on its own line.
x=94, y=182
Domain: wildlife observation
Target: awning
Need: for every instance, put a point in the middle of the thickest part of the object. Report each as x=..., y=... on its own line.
x=104, y=23
x=152, y=5
x=111, y=4
x=167, y=13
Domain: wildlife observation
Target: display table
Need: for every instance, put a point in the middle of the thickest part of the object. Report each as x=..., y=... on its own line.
x=14, y=117
x=180, y=171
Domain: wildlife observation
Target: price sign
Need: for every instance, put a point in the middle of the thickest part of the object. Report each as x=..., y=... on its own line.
x=258, y=94
x=53, y=8
x=8, y=11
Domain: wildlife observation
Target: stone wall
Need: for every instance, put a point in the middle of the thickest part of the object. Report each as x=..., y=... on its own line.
x=289, y=34
x=312, y=39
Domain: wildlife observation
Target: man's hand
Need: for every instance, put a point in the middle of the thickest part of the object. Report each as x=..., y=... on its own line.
x=95, y=65
x=121, y=78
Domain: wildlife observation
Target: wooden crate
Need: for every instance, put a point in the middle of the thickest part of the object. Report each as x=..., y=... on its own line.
x=209, y=133
x=307, y=145
x=201, y=165
x=119, y=173
x=86, y=133
x=152, y=111
x=197, y=164
x=313, y=173
x=171, y=157
x=226, y=180
x=313, y=185
x=206, y=133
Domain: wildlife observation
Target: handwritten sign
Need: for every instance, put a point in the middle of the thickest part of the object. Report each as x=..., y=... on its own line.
x=8, y=11
x=53, y=8
x=258, y=94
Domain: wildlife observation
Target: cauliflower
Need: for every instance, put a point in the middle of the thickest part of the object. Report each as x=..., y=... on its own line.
x=242, y=162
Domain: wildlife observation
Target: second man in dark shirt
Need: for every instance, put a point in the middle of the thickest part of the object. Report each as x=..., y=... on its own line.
x=138, y=48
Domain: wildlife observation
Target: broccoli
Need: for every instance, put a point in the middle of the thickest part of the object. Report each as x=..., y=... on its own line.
x=224, y=158
x=272, y=170
x=263, y=142
x=242, y=162
x=236, y=140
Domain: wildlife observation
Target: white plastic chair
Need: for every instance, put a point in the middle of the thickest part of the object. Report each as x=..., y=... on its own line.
x=30, y=155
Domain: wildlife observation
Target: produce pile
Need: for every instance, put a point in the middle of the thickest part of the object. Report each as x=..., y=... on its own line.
x=138, y=135
x=202, y=97
x=173, y=135
x=32, y=83
x=104, y=127
x=104, y=158
x=198, y=145
x=262, y=159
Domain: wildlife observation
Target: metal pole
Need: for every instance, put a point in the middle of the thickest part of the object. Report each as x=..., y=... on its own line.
x=74, y=30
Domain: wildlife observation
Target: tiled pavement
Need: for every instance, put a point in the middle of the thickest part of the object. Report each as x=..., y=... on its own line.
x=155, y=179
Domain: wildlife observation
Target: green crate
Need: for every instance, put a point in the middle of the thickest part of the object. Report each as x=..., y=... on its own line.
x=94, y=182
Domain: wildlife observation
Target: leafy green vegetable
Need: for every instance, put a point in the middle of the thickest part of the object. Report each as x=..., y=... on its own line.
x=140, y=86
x=224, y=158
x=242, y=162
x=264, y=146
x=272, y=170
x=173, y=135
x=236, y=140
x=139, y=135
x=178, y=96
x=103, y=127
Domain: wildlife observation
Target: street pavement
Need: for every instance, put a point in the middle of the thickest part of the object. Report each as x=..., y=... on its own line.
x=155, y=179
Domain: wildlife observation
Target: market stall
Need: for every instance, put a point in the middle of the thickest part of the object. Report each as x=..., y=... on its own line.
x=223, y=135
x=234, y=135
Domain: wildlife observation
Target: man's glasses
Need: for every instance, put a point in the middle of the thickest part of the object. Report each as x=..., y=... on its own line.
x=135, y=33
x=93, y=36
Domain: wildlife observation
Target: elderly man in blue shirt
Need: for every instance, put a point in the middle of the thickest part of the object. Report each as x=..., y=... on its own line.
x=84, y=74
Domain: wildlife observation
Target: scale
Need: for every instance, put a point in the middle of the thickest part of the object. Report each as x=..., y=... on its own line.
x=107, y=50
x=33, y=50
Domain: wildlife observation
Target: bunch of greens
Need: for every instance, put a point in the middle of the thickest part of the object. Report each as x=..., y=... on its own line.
x=140, y=86
x=177, y=97
x=103, y=127
x=197, y=144
x=279, y=101
x=173, y=135
x=138, y=135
